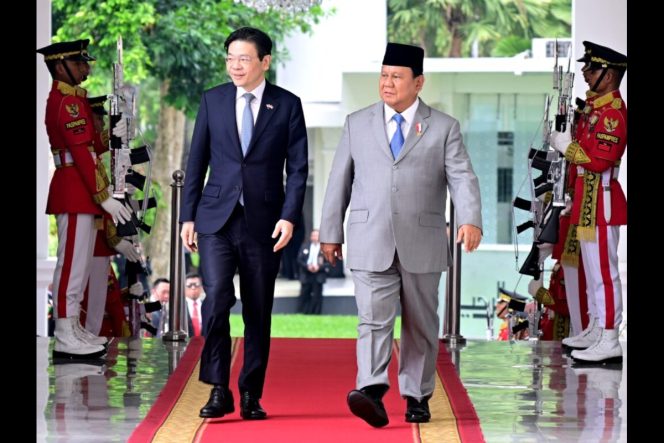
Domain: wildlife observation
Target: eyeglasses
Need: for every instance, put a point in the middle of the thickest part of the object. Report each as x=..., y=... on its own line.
x=193, y=285
x=243, y=59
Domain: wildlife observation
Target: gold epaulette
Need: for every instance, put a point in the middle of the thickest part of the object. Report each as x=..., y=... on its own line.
x=66, y=89
x=575, y=154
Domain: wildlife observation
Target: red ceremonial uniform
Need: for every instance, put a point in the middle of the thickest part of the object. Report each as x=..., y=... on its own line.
x=78, y=184
x=599, y=143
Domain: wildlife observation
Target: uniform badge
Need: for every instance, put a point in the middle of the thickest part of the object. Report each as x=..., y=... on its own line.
x=72, y=110
x=610, y=124
x=616, y=103
x=593, y=119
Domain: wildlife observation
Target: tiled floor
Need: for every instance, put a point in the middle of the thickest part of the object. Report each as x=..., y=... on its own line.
x=523, y=392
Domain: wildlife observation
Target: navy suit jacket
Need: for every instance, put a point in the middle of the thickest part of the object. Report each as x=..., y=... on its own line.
x=279, y=138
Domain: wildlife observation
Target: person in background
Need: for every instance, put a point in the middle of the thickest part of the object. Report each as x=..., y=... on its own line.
x=313, y=273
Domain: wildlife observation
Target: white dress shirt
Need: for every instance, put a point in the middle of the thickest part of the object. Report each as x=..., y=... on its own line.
x=408, y=116
x=240, y=103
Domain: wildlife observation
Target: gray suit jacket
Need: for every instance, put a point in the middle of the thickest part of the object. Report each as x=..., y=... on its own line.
x=399, y=204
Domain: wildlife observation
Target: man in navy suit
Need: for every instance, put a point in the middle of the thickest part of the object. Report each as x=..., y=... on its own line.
x=242, y=217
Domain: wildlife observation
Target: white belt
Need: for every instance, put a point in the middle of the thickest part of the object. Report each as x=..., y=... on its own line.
x=606, y=187
x=64, y=158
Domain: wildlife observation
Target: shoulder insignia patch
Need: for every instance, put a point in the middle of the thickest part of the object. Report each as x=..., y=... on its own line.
x=73, y=110
x=610, y=124
x=616, y=103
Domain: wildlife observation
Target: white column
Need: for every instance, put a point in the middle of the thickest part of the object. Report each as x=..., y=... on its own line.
x=604, y=22
x=45, y=265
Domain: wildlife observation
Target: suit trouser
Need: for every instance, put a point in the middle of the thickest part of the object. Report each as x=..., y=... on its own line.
x=76, y=241
x=600, y=259
x=377, y=295
x=221, y=253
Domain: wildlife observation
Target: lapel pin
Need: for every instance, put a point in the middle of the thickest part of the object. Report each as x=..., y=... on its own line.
x=418, y=128
x=269, y=106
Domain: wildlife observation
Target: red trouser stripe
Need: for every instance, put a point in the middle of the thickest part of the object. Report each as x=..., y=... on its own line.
x=607, y=281
x=66, y=267
x=583, y=294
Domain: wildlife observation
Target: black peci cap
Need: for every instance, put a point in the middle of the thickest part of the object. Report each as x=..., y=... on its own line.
x=397, y=54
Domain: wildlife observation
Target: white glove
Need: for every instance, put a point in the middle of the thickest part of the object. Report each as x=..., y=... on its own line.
x=127, y=249
x=121, y=130
x=545, y=250
x=136, y=288
x=534, y=286
x=561, y=140
x=117, y=210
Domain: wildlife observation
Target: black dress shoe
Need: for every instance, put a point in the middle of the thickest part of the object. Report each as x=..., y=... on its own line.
x=250, y=409
x=367, y=403
x=219, y=404
x=417, y=411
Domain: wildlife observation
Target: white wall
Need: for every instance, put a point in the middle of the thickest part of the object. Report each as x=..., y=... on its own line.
x=354, y=34
x=44, y=265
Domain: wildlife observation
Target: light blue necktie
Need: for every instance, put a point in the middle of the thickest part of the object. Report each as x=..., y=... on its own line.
x=247, y=129
x=397, y=138
x=247, y=123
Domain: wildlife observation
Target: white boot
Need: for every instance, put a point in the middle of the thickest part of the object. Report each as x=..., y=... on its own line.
x=69, y=345
x=88, y=336
x=586, y=338
x=606, y=350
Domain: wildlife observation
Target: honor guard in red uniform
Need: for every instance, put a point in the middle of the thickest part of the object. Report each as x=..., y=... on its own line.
x=78, y=191
x=599, y=204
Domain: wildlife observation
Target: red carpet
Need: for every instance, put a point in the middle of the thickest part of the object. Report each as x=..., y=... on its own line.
x=305, y=397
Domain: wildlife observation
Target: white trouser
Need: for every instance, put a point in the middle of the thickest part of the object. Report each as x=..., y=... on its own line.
x=600, y=261
x=97, y=290
x=76, y=241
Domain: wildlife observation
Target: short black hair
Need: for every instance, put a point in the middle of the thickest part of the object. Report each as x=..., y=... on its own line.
x=262, y=41
x=193, y=275
x=160, y=280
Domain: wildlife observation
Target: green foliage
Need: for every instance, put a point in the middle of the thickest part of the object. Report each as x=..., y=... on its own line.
x=310, y=326
x=510, y=46
x=449, y=28
x=52, y=236
x=173, y=41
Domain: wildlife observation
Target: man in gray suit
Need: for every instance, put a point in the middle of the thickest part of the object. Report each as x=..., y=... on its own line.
x=394, y=163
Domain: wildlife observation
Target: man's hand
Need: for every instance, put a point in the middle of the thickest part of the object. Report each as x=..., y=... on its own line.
x=332, y=251
x=561, y=140
x=471, y=237
x=121, y=130
x=286, y=229
x=126, y=248
x=189, y=236
x=118, y=211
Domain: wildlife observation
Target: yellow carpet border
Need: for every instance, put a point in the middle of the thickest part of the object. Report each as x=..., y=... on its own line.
x=443, y=425
x=183, y=422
